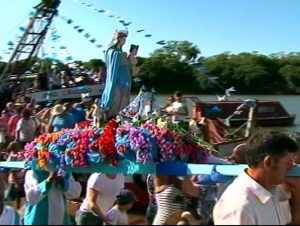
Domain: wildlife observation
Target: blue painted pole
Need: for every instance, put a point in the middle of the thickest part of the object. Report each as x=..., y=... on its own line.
x=167, y=168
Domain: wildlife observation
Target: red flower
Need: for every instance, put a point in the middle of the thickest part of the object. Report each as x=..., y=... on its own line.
x=107, y=142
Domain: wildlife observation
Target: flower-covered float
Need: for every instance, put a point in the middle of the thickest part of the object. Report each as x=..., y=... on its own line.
x=127, y=146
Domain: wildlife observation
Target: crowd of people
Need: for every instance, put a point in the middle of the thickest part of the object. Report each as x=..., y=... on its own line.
x=261, y=194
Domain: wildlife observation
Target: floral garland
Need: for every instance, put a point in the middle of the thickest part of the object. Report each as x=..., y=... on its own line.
x=144, y=142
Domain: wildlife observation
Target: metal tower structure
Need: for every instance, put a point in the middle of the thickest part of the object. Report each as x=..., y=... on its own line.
x=28, y=46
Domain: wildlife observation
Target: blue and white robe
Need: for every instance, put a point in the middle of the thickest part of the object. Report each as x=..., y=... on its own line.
x=47, y=206
x=116, y=95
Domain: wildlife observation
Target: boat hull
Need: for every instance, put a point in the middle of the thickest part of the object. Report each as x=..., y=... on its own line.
x=267, y=121
x=267, y=113
x=67, y=93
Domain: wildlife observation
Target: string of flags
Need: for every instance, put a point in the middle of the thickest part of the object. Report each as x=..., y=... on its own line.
x=61, y=49
x=56, y=49
x=122, y=21
x=81, y=30
x=11, y=44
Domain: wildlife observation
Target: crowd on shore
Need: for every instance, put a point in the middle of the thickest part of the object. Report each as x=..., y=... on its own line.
x=261, y=195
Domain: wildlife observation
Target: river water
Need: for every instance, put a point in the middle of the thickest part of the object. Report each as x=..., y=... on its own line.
x=290, y=102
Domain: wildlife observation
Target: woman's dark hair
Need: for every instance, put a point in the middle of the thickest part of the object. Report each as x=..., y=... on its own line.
x=26, y=112
x=268, y=143
x=178, y=94
x=132, y=47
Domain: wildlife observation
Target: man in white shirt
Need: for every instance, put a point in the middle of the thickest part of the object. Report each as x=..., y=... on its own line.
x=101, y=195
x=254, y=197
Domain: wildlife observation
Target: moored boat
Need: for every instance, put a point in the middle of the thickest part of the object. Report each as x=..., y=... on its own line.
x=267, y=112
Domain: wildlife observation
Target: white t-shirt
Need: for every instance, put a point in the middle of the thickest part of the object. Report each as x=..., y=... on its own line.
x=117, y=217
x=181, y=108
x=107, y=188
x=9, y=217
x=27, y=129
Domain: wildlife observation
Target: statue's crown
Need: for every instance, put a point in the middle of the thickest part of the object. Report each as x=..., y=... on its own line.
x=121, y=34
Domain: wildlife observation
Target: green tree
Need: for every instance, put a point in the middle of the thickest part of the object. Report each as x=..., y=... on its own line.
x=166, y=74
x=183, y=50
x=95, y=65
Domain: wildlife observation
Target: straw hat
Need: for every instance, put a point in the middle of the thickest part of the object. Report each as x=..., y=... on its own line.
x=58, y=109
x=19, y=104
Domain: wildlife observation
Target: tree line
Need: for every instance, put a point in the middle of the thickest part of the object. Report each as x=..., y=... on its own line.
x=179, y=65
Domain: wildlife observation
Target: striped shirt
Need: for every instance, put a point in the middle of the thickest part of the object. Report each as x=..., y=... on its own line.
x=169, y=201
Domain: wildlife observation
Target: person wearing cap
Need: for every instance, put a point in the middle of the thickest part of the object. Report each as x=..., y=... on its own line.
x=59, y=120
x=117, y=215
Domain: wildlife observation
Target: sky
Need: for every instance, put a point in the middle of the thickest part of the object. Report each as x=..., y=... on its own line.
x=215, y=26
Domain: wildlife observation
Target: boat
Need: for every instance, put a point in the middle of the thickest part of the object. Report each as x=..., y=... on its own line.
x=70, y=93
x=267, y=113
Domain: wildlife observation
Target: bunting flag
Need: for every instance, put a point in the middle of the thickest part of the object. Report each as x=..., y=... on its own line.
x=162, y=42
x=108, y=13
x=80, y=30
x=120, y=20
x=58, y=50
x=22, y=29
